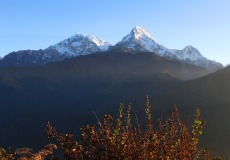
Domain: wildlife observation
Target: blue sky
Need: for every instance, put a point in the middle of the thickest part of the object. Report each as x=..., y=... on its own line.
x=204, y=24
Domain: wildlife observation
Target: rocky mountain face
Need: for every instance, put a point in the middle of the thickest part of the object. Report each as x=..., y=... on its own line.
x=139, y=40
x=31, y=57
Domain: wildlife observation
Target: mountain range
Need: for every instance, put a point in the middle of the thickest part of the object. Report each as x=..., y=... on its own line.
x=65, y=82
x=66, y=92
x=138, y=40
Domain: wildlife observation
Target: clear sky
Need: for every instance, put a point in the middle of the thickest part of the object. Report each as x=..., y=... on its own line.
x=37, y=24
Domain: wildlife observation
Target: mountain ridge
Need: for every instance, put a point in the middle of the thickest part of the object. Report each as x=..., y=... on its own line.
x=138, y=40
x=80, y=44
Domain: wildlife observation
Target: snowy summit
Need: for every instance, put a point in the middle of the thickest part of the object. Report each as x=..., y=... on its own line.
x=80, y=44
x=138, y=33
x=139, y=40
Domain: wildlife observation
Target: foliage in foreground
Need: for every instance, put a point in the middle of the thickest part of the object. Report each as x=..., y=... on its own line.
x=120, y=139
x=27, y=154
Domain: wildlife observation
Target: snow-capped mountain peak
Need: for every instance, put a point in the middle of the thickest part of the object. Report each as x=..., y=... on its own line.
x=138, y=40
x=192, y=53
x=102, y=44
x=188, y=53
x=80, y=44
x=137, y=33
x=99, y=42
x=140, y=32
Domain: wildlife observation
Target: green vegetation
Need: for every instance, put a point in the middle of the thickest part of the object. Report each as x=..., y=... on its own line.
x=123, y=138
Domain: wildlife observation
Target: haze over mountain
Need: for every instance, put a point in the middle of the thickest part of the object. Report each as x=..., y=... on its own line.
x=138, y=40
x=211, y=94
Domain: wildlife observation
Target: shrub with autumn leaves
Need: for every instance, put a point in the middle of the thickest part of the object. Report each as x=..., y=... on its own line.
x=121, y=139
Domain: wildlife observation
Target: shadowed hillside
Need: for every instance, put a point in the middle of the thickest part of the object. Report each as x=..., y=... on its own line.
x=68, y=91
x=211, y=95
